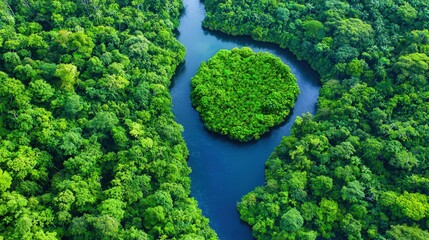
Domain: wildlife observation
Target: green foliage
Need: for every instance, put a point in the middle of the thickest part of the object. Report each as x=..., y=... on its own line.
x=88, y=145
x=6, y=180
x=242, y=94
x=291, y=221
x=353, y=192
x=321, y=185
x=41, y=91
x=402, y=232
x=354, y=31
x=359, y=168
x=314, y=29
x=68, y=75
x=410, y=205
x=413, y=68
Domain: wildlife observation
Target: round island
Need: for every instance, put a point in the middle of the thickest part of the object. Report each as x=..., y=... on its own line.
x=242, y=94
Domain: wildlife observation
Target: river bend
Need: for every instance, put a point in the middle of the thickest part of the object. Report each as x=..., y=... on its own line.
x=224, y=170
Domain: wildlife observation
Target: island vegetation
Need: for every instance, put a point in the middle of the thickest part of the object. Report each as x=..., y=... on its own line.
x=243, y=94
x=358, y=169
x=89, y=148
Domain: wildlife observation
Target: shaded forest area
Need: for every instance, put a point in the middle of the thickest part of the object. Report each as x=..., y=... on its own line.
x=88, y=144
x=242, y=94
x=358, y=169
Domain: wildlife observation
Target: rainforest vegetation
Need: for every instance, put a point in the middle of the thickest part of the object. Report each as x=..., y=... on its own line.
x=242, y=94
x=89, y=148
x=358, y=169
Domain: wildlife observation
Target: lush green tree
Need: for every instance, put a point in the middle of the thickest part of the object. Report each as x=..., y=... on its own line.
x=407, y=13
x=314, y=29
x=291, y=220
x=68, y=75
x=354, y=31
x=353, y=192
x=321, y=185
x=41, y=91
x=6, y=180
x=413, y=68
x=406, y=232
x=242, y=94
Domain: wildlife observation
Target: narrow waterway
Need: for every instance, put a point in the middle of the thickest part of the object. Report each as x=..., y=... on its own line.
x=224, y=170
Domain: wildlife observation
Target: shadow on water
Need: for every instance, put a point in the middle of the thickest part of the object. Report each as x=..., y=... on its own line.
x=179, y=70
x=224, y=170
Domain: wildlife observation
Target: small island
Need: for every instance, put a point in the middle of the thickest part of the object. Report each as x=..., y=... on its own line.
x=242, y=94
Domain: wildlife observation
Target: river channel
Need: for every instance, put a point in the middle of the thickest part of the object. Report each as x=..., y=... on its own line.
x=224, y=170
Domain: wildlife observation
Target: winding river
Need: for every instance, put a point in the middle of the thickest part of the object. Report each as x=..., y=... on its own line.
x=224, y=170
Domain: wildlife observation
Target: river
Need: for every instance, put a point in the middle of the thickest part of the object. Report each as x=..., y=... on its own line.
x=224, y=170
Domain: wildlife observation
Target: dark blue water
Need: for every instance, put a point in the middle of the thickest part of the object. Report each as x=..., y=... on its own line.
x=224, y=170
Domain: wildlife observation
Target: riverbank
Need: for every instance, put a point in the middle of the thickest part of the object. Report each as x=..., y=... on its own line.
x=224, y=170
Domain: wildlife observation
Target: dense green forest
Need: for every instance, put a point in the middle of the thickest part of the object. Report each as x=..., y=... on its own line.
x=243, y=94
x=88, y=144
x=358, y=169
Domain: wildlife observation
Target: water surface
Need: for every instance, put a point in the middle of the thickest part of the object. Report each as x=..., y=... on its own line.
x=224, y=170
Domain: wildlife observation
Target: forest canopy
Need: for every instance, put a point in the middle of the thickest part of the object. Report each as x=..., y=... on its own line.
x=89, y=148
x=358, y=169
x=243, y=94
